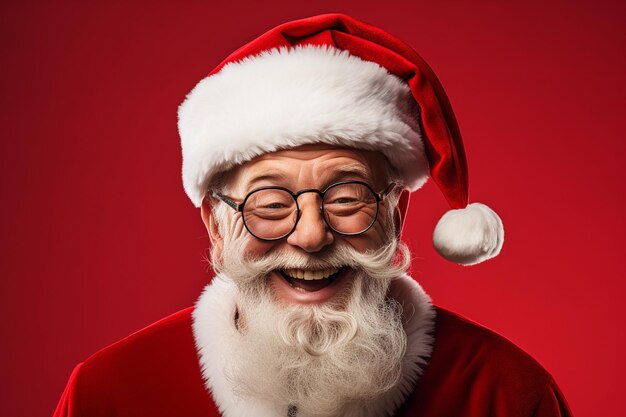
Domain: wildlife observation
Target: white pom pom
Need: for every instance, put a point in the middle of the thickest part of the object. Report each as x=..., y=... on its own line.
x=470, y=235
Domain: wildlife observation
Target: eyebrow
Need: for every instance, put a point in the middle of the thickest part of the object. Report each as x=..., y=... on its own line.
x=350, y=172
x=350, y=169
x=267, y=175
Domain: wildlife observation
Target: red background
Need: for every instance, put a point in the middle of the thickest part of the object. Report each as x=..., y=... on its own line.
x=99, y=240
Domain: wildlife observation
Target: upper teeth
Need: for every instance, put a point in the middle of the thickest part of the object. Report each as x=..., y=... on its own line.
x=310, y=275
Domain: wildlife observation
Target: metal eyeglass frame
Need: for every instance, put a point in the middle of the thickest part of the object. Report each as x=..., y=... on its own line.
x=239, y=206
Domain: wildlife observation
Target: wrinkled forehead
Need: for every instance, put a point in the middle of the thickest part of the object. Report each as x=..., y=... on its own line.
x=309, y=166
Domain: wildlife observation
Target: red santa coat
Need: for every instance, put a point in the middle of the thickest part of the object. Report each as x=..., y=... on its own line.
x=472, y=371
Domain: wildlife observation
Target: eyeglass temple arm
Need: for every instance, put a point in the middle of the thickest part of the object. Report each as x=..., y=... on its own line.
x=387, y=191
x=228, y=201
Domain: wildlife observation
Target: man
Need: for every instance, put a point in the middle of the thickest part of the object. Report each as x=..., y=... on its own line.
x=301, y=150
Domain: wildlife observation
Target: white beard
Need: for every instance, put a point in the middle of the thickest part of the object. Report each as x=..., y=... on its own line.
x=317, y=358
x=327, y=360
x=219, y=344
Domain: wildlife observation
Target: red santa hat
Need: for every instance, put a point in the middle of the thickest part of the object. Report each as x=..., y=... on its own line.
x=336, y=80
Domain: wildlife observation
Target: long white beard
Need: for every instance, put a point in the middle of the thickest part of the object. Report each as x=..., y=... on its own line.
x=327, y=360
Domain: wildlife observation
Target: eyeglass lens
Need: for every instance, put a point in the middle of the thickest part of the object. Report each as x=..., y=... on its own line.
x=348, y=208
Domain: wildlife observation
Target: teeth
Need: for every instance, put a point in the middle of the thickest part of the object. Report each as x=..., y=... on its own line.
x=309, y=275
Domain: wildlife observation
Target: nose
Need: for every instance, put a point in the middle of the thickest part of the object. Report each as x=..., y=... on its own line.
x=311, y=233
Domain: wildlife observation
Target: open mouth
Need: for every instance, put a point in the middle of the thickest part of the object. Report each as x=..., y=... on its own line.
x=310, y=280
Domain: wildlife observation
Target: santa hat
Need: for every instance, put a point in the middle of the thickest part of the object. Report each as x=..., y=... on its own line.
x=336, y=80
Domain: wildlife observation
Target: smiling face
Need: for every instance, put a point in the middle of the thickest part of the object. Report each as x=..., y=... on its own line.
x=314, y=313
x=314, y=280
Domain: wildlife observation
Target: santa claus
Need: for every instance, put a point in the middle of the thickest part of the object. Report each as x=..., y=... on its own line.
x=301, y=150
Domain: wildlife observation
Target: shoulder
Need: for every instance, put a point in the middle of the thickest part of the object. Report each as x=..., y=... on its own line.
x=475, y=371
x=155, y=368
x=463, y=341
x=170, y=334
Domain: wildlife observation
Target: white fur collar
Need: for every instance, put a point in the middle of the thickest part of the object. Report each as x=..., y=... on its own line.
x=214, y=331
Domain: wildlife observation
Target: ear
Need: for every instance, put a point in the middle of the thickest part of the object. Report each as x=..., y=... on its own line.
x=402, y=209
x=217, y=241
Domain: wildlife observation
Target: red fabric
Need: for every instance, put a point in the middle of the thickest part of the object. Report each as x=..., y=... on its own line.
x=155, y=372
x=476, y=372
x=442, y=138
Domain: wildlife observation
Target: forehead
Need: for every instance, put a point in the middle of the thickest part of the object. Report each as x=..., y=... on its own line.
x=310, y=166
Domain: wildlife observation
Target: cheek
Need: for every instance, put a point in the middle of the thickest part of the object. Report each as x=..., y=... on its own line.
x=236, y=228
x=374, y=238
x=257, y=248
x=254, y=247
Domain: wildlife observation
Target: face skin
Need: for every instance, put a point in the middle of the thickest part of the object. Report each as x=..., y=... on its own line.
x=309, y=166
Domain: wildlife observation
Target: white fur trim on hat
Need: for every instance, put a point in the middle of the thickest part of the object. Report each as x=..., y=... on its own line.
x=470, y=235
x=284, y=98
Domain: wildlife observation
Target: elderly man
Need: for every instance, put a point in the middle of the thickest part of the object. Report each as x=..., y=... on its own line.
x=301, y=150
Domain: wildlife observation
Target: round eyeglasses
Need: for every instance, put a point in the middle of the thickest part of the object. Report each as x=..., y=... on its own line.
x=271, y=213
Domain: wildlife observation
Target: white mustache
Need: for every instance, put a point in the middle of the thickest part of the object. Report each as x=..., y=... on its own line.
x=379, y=263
